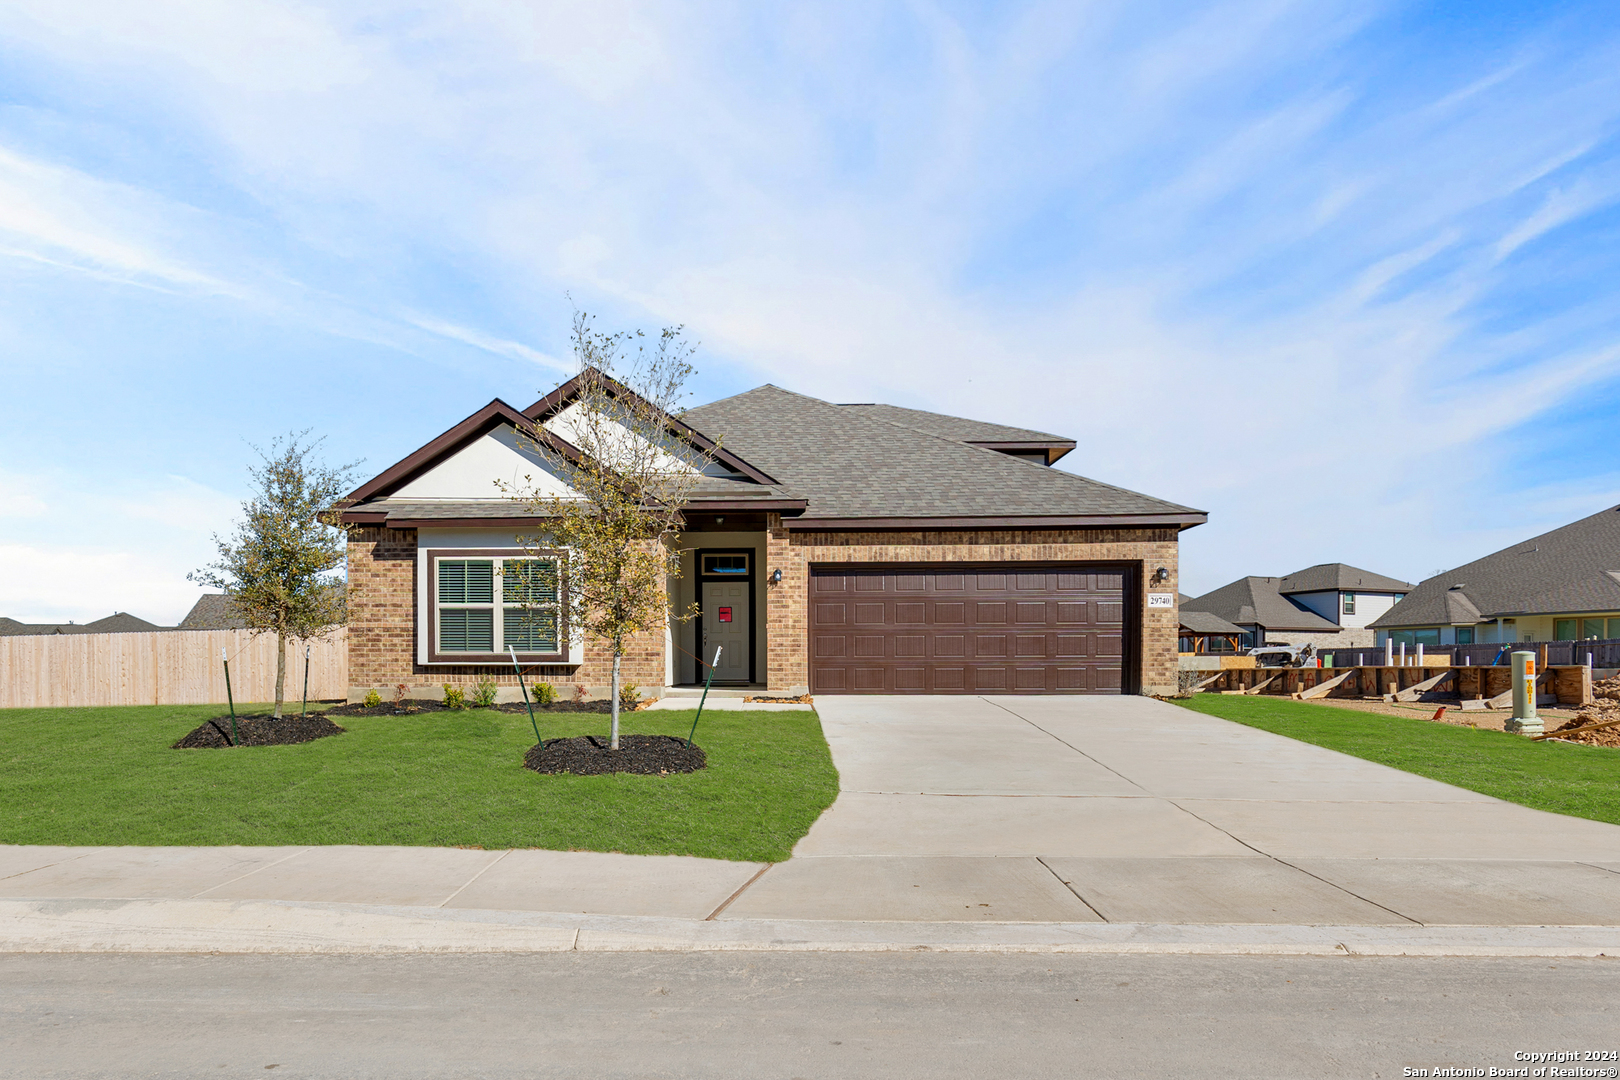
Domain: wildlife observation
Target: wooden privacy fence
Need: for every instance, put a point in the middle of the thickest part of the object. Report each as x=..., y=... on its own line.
x=175, y=667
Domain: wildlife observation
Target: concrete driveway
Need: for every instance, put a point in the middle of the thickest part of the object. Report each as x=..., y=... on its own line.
x=1126, y=809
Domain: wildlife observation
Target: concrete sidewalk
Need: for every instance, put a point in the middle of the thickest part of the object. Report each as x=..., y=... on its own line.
x=1109, y=823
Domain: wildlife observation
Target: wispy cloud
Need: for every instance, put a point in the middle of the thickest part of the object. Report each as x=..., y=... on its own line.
x=1339, y=240
x=488, y=342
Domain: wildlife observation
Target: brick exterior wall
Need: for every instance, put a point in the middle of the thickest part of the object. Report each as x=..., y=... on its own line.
x=382, y=635
x=787, y=603
x=382, y=603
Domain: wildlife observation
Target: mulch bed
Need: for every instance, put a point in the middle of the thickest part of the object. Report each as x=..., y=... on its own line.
x=258, y=731
x=588, y=755
x=413, y=707
x=802, y=699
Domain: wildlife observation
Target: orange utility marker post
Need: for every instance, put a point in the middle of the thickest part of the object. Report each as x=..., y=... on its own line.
x=1524, y=719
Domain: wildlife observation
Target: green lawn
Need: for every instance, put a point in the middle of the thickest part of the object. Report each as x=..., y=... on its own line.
x=1583, y=781
x=107, y=776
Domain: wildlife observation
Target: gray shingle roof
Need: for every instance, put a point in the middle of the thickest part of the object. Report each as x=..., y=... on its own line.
x=954, y=427
x=119, y=622
x=849, y=463
x=1256, y=601
x=1204, y=622
x=1336, y=576
x=212, y=611
x=1567, y=571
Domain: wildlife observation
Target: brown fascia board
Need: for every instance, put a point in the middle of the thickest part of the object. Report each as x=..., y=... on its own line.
x=465, y=523
x=1087, y=521
x=785, y=506
x=475, y=426
x=1054, y=450
x=559, y=398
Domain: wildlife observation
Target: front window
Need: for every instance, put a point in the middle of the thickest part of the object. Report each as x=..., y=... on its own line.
x=1563, y=629
x=470, y=620
x=1348, y=603
x=1465, y=635
x=1591, y=628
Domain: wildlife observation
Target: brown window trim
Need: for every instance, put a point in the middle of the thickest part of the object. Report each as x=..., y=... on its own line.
x=434, y=656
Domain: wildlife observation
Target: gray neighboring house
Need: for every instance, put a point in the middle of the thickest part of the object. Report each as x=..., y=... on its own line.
x=1329, y=604
x=119, y=622
x=212, y=611
x=1560, y=586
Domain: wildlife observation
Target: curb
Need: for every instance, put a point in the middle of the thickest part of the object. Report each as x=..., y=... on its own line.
x=290, y=928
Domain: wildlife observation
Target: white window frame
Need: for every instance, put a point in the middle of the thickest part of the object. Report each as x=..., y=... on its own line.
x=497, y=557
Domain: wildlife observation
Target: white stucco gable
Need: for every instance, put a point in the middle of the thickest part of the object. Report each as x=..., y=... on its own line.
x=477, y=469
x=675, y=455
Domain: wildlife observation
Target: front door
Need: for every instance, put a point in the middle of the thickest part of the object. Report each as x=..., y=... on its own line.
x=727, y=624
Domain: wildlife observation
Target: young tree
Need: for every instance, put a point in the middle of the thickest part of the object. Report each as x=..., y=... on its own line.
x=631, y=480
x=277, y=570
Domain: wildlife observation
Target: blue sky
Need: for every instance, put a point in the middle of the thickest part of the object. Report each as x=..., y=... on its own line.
x=1343, y=274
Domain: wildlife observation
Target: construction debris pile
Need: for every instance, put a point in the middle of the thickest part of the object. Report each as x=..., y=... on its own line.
x=1605, y=707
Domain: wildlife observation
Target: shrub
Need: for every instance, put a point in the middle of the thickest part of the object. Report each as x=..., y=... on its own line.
x=399, y=695
x=484, y=692
x=454, y=697
x=544, y=693
x=629, y=694
x=371, y=700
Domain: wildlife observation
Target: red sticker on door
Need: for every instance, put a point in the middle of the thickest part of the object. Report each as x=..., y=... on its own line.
x=725, y=614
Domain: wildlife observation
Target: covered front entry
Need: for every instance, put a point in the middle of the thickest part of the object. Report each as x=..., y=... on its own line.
x=1027, y=628
x=726, y=597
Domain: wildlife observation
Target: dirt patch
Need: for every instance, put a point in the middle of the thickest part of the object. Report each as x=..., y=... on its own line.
x=588, y=755
x=1599, y=712
x=1607, y=689
x=802, y=699
x=413, y=708
x=215, y=734
x=1487, y=719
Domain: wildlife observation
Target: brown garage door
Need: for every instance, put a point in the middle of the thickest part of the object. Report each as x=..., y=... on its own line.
x=1002, y=629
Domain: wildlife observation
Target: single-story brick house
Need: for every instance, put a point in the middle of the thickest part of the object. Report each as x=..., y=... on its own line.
x=831, y=548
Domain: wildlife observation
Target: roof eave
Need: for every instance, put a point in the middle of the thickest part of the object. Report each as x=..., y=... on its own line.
x=1180, y=520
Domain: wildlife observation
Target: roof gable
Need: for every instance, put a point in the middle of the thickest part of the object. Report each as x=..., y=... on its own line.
x=1339, y=577
x=1255, y=601
x=479, y=467
x=556, y=403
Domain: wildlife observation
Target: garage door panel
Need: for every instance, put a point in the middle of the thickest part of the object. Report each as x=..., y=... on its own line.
x=830, y=647
x=1000, y=630
x=989, y=678
x=1026, y=646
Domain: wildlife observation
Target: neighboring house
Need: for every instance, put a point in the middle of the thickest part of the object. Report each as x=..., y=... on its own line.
x=1330, y=604
x=118, y=622
x=1344, y=595
x=831, y=548
x=212, y=611
x=1561, y=586
x=1202, y=632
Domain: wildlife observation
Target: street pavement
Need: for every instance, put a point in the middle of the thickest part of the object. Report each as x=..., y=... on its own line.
x=886, y=1015
x=961, y=822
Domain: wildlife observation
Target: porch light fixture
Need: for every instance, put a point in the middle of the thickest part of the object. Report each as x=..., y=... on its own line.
x=1161, y=574
x=776, y=576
